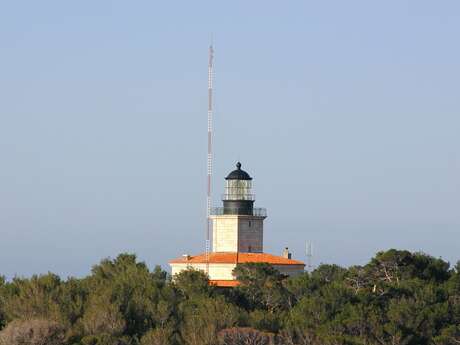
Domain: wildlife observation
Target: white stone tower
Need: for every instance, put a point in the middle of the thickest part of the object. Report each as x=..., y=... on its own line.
x=238, y=226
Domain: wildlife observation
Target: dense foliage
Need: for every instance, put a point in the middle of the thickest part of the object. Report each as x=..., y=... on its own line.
x=397, y=298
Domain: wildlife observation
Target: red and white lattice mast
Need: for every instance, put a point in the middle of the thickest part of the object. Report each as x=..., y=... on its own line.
x=209, y=160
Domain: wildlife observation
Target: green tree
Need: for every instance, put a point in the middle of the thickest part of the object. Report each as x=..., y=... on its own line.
x=131, y=287
x=449, y=336
x=203, y=317
x=399, y=297
x=105, y=339
x=72, y=296
x=244, y=336
x=299, y=286
x=37, y=297
x=317, y=318
x=393, y=266
x=103, y=317
x=2, y=302
x=262, y=285
x=326, y=274
x=263, y=321
x=191, y=282
x=161, y=335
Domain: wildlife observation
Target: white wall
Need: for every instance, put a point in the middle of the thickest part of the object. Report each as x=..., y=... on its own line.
x=225, y=233
x=216, y=271
x=224, y=271
x=232, y=233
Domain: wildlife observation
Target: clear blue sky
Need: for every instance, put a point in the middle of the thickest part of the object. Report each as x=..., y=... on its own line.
x=346, y=113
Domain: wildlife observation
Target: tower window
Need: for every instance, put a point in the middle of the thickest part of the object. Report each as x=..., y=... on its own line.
x=249, y=223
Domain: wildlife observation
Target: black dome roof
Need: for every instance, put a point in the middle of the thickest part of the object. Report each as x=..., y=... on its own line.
x=238, y=174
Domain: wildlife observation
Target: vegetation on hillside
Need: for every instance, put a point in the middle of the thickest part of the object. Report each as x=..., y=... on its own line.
x=398, y=298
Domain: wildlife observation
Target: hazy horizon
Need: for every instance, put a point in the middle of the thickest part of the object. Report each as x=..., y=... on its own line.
x=345, y=114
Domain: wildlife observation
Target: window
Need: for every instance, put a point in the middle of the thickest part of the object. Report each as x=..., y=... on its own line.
x=249, y=223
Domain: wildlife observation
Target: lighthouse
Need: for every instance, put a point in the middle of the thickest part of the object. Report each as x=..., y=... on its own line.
x=237, y=236
x=237, y=225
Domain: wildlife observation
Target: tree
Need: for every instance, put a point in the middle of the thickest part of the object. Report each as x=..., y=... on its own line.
x=131, y=287
x=102, y=317
x=105, y=339
x=2, y=302
x=192, y=282
x=263, y=321
x=326, y=274
x=203, y=317
x=72, y=296
x=34, y=298
x=449, y=336
x=299, y=286
x=317, y=318
x=162, y=335
x=398, y=298
x=244, y=336
x=393, y=266
x=262, y=285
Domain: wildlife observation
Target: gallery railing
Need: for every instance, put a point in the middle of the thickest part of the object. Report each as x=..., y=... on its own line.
x=256, y=211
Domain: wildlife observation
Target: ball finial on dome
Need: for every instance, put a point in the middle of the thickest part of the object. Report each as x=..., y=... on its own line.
x=238, y=165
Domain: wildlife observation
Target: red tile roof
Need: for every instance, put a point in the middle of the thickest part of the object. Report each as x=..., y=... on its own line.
x=233, y=258
x=224, y=283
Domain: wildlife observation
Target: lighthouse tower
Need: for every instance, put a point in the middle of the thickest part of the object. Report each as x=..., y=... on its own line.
x=237, y=236
x=238, y=226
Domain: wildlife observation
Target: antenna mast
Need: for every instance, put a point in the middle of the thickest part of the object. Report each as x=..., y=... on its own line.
x=209, y=163
x=309, y=256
